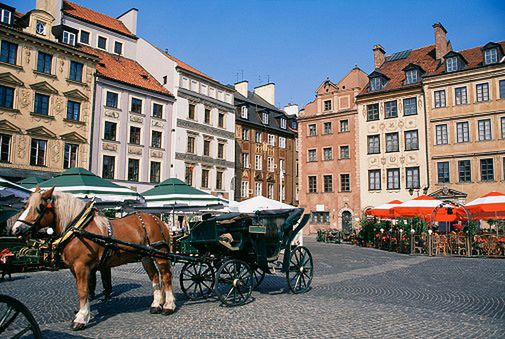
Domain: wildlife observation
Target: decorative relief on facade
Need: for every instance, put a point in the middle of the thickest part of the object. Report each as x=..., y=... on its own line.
x=56, y=152
x=58, y=105
x=402, y=159
x=400, y=124
x=383, y=160
x=135, y=150
x=112, y=114
x=134, y=118
x=109, y=147
x=21, y=150
x=411, y=123
x=382, y=126
x=156, y=154
x=373, y=161
x=25, y=98
x=62, y=66
x=28, y=53
x=373, y=128
x=199, y=159
x=156, y=123
x=205, y=129
x=411, y=159
x=392, y=159
x=40, y=119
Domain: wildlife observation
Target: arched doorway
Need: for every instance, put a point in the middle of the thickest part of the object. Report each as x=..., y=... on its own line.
x=346, y=222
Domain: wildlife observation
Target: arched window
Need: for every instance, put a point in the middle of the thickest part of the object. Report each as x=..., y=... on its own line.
x=346, y=222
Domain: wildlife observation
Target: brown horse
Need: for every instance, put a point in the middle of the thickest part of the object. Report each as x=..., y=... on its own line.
x=57, y=210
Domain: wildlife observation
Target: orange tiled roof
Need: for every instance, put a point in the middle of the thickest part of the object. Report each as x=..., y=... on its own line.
x=97, y=18
x=186, y=67
x=125, y=70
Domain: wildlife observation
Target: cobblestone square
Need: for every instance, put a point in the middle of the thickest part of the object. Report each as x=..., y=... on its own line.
x=357, y=292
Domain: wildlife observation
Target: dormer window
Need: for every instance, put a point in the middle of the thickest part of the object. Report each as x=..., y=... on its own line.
x=411, y=76
x=376, y=84
x=5, y=16
x=265, y=118
x=69, y=38
x=451, y=64
x=244, y=113
x=490, y=56
x=283, y=123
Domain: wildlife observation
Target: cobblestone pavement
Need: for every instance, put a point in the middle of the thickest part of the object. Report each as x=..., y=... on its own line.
x=356, y=292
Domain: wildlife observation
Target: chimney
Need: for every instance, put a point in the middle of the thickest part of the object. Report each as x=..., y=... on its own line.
x=242, y=87
x=52, y=7
x=291, y=109
x=441, y=45
x=129, y=19
x=266, y=92
x=379, y=55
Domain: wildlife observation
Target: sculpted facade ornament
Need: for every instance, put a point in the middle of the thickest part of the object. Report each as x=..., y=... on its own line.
x=21, y=151
x=109, y=146
x=111, y=114
x=135, y=118
x=205, y=129
x=204, y=160
x=135, y=150
x=28, y=53
x=156, y=154
x=56, y=151
x=25, y=98
x=58, y=105
x=62, y=65
x=156, y=123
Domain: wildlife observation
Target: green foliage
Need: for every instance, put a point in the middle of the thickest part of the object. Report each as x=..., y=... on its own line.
x=109, y=212
x=471, y=227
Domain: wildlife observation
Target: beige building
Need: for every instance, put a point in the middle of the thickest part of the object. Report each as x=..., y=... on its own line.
x=46, y=93
x=465, y=105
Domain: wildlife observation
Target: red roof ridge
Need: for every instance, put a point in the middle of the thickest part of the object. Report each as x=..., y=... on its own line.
x=185, y=66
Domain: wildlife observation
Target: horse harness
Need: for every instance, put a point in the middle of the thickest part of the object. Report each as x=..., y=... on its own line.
x=159, y=244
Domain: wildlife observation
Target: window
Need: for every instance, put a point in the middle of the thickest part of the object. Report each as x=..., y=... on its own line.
x=244, y=112
x=205, y=178
x=191, y=112
x=38, y=152
x=69, y=38
x=443, y=172
x=108, y=167
x=110, y=131
x=411, y=140
x=393, y=179
x=258, y=137
x=312, y=155
x=328, y=183
x=188, y=175
x=410, y=106
x=206, y=116
x=373, y=144
x=344, y=152
x=282, y=165
x=413, y=177
x=5, y=147
x=376, y=84
x=191, y=145
x=344, y=126
x=312, y=130
x=118, y=47
x=219, y=180
x=451, y=64
x=312, y=184
x=206, y=148
x=102, y=42
x=271, y=139
x=244, y=189
x=264, y=118
x=441, y=135
x=5, y=17
x=9, y=52
x=374, y=180
x=327, y=153
x=484, y=129
x=372, y=112
x=486, y=170
x=258, y=189
x=439, y=98
x=70, y=156
x=156, y=139
x=345, y=183
x=258, y=162
x=270, y=164
x=155, y=172
x=391, y=109
x=320, y=217
x=41, y=104
x=464, y=171
x=282, y=142
x=136, y=106
x=284, y=123
x=482, y=92
x=392, y=143
x=245, y=160
x=460, y=96
x=411, y=77
x=490, y=56
x=111, y=100
x=327, y=128
x=502, y=120
x=220, y=150
x=44, y=63
x=462, y=132
x=270, y=192
x=157, y=111
x=84, y=37
x=327, y=105
x=502, y=89
x=220, y=120
x=75, y=71
x=135, y=135
x=165, y=80
x=245, y=133
x=6, y=97
x=133, y=169
x=73, y=110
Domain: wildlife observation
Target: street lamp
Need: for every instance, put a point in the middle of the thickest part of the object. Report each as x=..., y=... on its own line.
x=417, y=191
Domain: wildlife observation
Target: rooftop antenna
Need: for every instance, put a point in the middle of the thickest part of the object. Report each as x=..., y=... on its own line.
x=268, y=77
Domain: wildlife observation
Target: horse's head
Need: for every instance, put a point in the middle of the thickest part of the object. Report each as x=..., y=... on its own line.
x=38, y=213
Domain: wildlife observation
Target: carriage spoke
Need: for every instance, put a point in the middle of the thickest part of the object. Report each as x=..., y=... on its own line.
x=23, y=331
x=6, y=321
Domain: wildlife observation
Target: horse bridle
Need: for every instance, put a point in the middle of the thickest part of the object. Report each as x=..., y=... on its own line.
x=41, y=212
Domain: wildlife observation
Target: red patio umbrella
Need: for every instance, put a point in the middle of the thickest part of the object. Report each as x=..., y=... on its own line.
x=385, y=210
x=489, y=206
x=424, y=207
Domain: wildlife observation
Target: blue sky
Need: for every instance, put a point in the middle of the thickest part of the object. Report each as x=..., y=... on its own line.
x=299, y=43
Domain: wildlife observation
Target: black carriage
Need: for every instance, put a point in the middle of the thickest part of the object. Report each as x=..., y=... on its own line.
x=235, y=251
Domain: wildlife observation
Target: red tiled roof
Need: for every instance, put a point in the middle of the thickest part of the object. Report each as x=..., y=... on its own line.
x=185, y=66
x=125, y=70
x=97, y=18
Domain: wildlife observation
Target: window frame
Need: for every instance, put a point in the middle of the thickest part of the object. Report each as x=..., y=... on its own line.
x=463, y=94
x=492, y=169
x=378, y=146
x=407, y=144
x=68, y=38
x=439, y=98
x=443, y=172
x=484, y=95
x=440, y=141
x=372, y=112
x=67, y=161
x=395, y=182
x=467, y=174
x=80, y=37
x=98, y=42
x=389, y=108
x=374, y=180
x=462, y=132
x=36, y=156
x=105, y=175
x=73, y=116
x=408, y=100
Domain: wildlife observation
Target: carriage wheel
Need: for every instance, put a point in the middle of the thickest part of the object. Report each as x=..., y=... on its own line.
x=16, y=320
x=197, y=280
x=234, y=283
x=301, y=270
x=258, y=276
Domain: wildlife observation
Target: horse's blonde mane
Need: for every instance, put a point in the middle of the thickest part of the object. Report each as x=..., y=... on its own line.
x=68, y=208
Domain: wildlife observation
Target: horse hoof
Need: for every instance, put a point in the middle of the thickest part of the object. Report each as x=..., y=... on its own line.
x=78, y=326
x=167, y=311
x=155, y=310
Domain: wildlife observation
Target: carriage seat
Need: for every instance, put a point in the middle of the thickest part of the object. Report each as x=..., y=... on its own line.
x=227, y=241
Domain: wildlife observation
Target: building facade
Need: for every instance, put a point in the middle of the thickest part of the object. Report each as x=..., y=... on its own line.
x=265, y=146
x=465, y=103
x=46, y=95
x=328, y=137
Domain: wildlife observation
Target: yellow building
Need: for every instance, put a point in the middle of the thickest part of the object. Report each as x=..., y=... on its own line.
x=46, y=93
x=465, y=106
